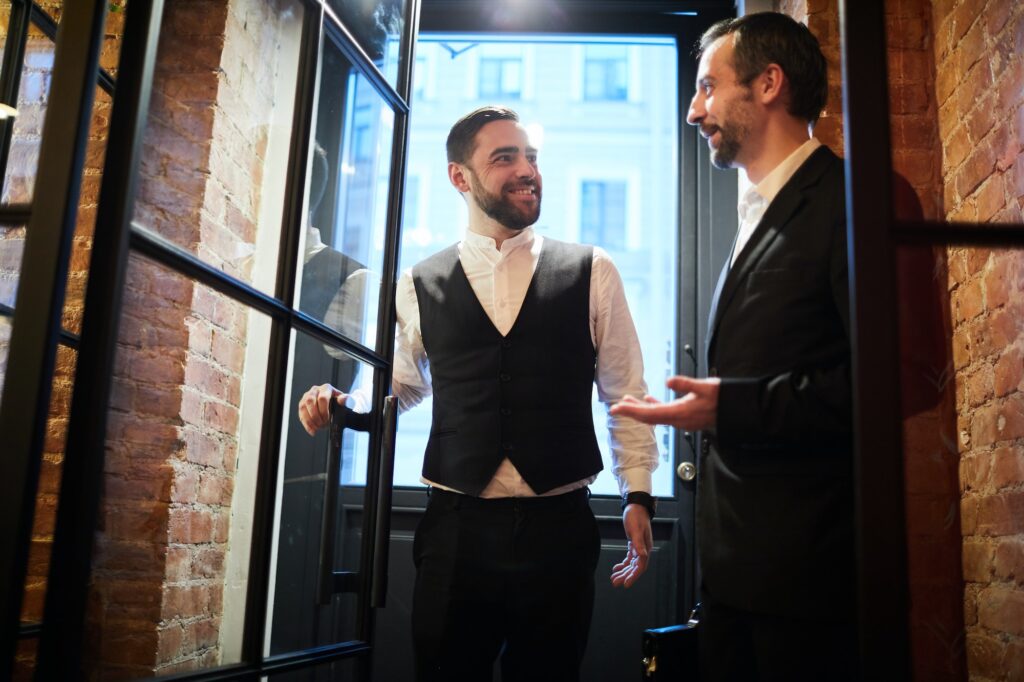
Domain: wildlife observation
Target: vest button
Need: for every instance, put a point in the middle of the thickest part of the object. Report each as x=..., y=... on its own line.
x=505, y=411
x=507, y=447
x=504, y=376
x=506, y=344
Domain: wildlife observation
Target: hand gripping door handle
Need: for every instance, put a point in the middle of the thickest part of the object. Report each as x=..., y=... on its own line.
x=329, y=581
x=385, y=482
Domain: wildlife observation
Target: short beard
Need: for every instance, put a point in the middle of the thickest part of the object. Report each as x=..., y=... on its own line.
x=500, y=209
x=733, y=134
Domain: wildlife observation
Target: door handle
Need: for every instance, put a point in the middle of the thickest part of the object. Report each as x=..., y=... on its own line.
x=382, y=531
x=328, y=581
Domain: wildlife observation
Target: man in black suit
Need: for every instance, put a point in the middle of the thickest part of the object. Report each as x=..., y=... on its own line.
x=774, y=489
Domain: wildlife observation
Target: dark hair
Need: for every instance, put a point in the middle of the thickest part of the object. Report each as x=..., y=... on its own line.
x=462, y=137
x=765, y=38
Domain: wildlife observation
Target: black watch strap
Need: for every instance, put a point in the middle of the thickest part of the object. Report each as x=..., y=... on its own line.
x=645, y=500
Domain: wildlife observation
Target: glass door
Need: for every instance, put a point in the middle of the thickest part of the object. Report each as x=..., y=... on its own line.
x=245, y=249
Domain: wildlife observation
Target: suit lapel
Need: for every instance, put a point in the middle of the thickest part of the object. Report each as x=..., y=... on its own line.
x=775, y=219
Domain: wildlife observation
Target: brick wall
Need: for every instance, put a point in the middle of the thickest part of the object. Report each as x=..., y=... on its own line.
x=978, y=53
x=931, y=490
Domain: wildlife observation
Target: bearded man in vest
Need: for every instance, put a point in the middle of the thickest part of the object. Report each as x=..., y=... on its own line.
x=509, y=330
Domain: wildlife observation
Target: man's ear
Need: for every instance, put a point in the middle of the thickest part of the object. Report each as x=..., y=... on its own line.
x=771, y=84
x=457, y=174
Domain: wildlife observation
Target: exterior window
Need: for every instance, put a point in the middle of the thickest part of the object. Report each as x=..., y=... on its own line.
x=501, y=77
x=419, y=78
x=604, y=72
x=603, y=213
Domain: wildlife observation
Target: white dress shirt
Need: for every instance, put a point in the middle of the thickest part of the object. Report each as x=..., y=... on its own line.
x=500, y=278
x=756, y=199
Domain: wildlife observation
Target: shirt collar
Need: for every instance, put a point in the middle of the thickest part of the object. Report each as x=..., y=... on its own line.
x=781, y=174
x=480, y=241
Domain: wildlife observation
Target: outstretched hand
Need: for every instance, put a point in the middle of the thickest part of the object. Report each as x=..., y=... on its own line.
x=315, y=407
x=697, y=409
x=637, y=523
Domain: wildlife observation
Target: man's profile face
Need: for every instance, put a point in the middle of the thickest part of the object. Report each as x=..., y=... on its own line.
x=503, y=176
x=722, y=107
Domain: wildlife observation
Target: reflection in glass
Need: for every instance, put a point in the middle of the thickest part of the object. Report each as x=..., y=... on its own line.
x=170, y=565
x=610, y=178
x=349, y=172
x=33, y=92
x=216, y=146
x=377, y=26
x=302, y=615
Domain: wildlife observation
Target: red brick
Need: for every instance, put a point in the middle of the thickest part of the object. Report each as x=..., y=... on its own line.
x=186, y=484
x=1013, y=662
x=215, y=489
x=969, y=515
x=1011, y=417
x=1007, y=467
x=990, y=198
x=997, y=12
x=1004, y=327
x=1008, y=372
x=184, y=601
x=979, y=387
x=1002, y=609
x=1001, y=514
x=209, y=562
x=978, y=166
x=956, y=148
x=998, y=280
x=179, y=564
x=969, y=301
x=963, y=18
x=207, y=378
x=1009, y=560
x=142, y=522
x=984, y=656
x=170, y=643
x=221, y=417
x=977, y=561
x=970, y=50
x=971, y=604
x=201, y=448
x=984, y=426
x=188, y=526
x=974, y=471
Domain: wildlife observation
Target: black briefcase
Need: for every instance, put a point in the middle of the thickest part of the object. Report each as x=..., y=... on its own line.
x=670, y=653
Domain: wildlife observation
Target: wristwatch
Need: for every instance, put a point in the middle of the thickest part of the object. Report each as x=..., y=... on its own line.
x=645, y=500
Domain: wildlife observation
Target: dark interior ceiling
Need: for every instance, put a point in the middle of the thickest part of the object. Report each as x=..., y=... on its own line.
x=564, y=15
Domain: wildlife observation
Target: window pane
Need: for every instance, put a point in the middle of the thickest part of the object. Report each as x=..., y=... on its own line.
x=215, y=150
x=609, y=179
x=377, y=25
x=33, y=92
x=344, y=242
x=171, y=559
x=298, y=618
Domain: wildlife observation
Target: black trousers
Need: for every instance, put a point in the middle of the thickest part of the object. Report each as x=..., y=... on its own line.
x=740, y=646
x=512, y=577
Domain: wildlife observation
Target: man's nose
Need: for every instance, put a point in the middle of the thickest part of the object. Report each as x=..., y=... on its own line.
x=696, y=112
x=525, y=169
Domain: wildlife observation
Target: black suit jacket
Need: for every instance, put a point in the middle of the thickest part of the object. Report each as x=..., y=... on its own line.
x=774, y=497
